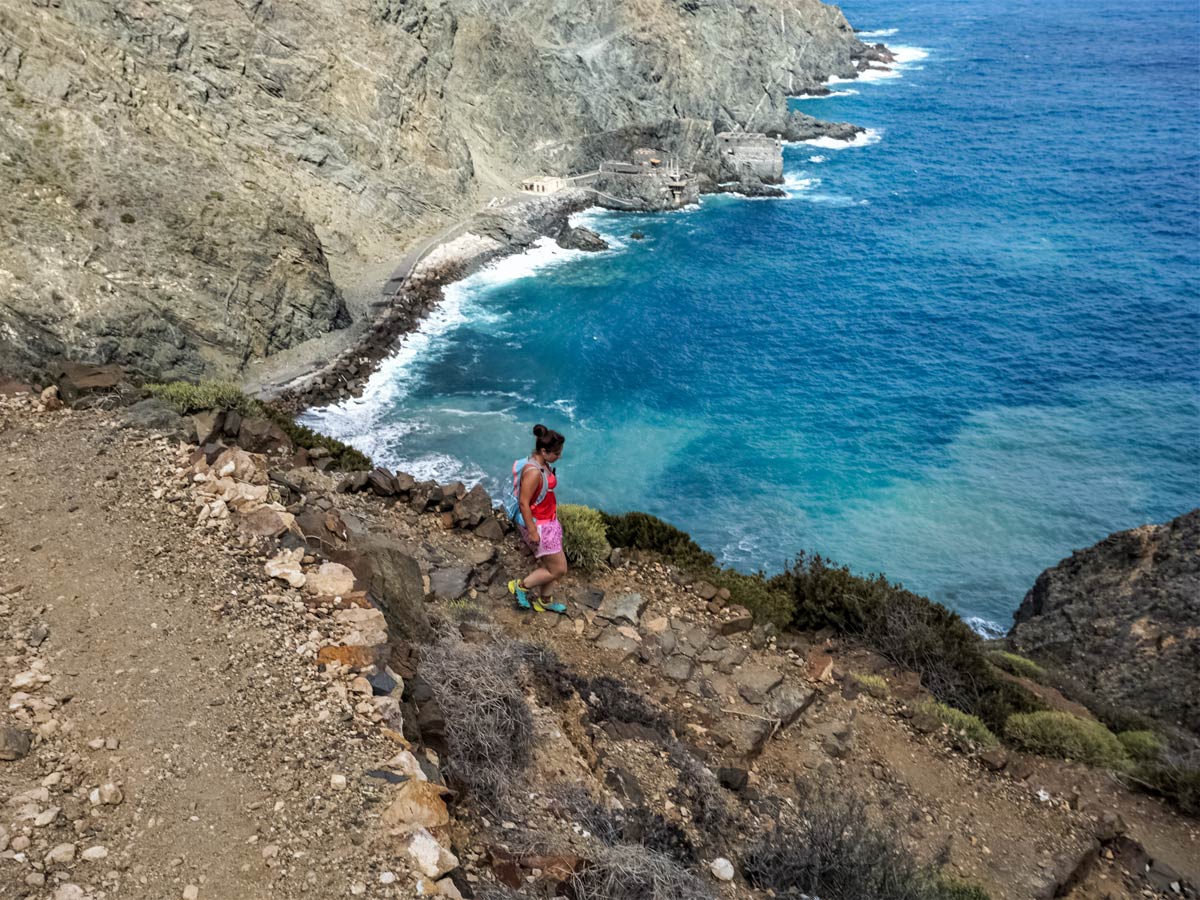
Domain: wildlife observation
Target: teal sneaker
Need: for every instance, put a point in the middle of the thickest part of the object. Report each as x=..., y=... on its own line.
x=519, y=595
x=549, y=604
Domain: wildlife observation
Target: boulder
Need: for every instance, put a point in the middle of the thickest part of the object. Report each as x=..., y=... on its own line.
x=384, y=568
x=265, y=521
x=381, y=482
x=417, y=804
x=580, y=238
x=331, y=579
x=209, y=425
x=285, y=566
x=788, y=702
x=625, y=607
x=14, y=743
x=738, y=620
x=430, y=857
x=76, y=380
x=754, y=682
x=473, y=507
x=262, y=436
x=490, y=529
x=449, y=583
x=157, y=415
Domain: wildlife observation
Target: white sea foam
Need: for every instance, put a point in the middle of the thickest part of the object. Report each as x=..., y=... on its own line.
x=986, y=628
x=845, y=93
x=794, y=185
x=877, y=71
x=862, y=139
x=818, y=159
x=882, y=32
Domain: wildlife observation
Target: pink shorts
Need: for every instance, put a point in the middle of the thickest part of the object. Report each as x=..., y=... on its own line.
x=551, y=539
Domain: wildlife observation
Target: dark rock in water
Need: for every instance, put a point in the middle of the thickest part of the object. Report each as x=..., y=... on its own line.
x=393, y=580
x=751, y=189
x=637, y=235
x=579, y=238
x=1122, y=618
x=800, y=127
x=14, y=743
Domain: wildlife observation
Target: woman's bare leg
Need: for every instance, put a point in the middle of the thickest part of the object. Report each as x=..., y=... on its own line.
x=553, y=568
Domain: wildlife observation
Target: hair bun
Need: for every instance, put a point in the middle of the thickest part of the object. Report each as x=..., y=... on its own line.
x=539, y=430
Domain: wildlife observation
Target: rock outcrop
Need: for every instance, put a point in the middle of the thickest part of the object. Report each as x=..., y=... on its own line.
x=1123, y=617
x=191, y=187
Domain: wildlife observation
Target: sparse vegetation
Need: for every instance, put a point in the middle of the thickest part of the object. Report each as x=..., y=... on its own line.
x=1015, y=664
x=875, y=685
x=584, y=537
x=702, y=794
x=965, y=726
x=647, y=532
x=489, y=728
x=1175, y=777
x=190, y=398
x=767, y=601
x=1143, y=746
x=1066, y=736
x=634, y=872
x=128, y=218
x=910, y=630
x=834, y=850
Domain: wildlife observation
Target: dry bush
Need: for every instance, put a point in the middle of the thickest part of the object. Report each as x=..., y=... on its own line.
x=832, y=849
x=635, y=825
x=703, y=795
x=489, y=728
x=633, y=872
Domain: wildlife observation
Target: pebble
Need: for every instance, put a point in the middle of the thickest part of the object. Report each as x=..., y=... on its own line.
x=337, y=782
x=62, y=854
x=94, y=853
x=191, y=892
x=722, y=869
x=387, y=877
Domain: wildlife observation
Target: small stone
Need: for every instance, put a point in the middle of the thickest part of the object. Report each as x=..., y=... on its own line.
x=91, y=854
x=21, y=843
x=110, y=794
x=358, y=888
x=112, y=743
x=722, y=869
x=191, y=892
x=387, y=877
x=45, y=817
x=69, y=892
x=337, y=781
x=61, y=855
x=430, y=857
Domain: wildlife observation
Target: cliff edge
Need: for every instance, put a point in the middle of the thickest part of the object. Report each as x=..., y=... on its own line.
x=191, y=187
x=1123, y=617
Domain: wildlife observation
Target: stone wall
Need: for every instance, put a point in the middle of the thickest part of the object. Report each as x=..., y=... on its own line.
x=750, y=157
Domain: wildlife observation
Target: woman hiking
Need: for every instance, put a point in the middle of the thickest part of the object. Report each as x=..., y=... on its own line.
x=534, y=482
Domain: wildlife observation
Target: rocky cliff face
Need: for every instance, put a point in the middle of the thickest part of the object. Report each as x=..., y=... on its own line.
x=1123, y=617
x=175, y=174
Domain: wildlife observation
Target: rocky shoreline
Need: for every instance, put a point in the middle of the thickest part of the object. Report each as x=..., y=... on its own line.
x=491, y=234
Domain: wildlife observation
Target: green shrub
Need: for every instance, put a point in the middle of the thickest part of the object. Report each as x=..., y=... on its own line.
x=192, y=398
x=948, y=888
x=1144, y=746
x=964, y=725
x=584, y=537
x=1069, y=737
x=768, y=603
x=875, y=685
x=1017, y=665
x=647, y=532
x=1176, y=780
x=910, y=630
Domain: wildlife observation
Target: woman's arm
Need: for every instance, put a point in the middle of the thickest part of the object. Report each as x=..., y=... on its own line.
x=531, y=482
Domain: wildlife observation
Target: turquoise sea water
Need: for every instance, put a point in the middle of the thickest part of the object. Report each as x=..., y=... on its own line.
x=964, y=347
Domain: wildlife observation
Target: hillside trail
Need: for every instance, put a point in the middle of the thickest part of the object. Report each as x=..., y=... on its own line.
x=196, y=714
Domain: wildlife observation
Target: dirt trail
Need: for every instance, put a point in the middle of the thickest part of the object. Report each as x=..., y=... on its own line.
x=211, y=747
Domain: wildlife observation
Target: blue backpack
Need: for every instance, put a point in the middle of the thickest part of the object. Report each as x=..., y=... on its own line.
x=512, y=500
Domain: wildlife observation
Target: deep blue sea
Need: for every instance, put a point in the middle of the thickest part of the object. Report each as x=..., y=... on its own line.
x=965, y=346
